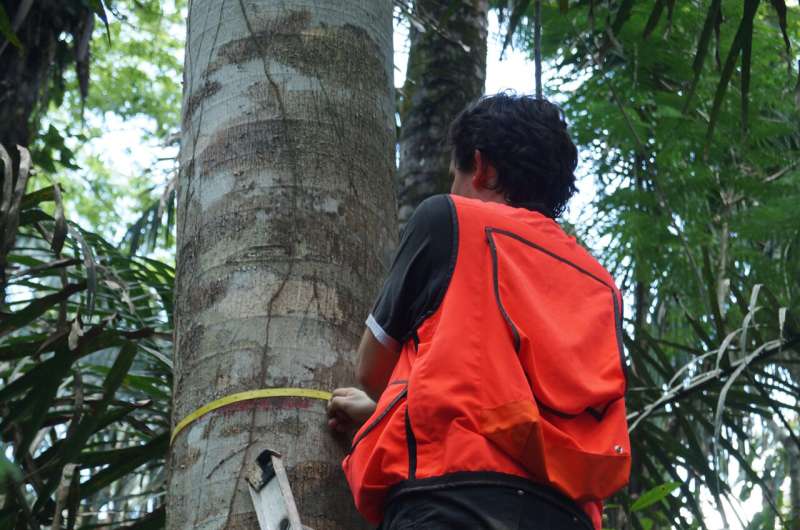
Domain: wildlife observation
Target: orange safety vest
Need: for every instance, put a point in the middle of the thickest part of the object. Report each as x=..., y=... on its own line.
x=518, y=371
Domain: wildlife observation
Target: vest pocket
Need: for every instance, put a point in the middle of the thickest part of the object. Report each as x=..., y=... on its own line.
x=514, y=427
x=582, y=463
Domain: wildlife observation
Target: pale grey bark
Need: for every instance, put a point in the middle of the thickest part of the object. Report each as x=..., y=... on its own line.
x=285, y=219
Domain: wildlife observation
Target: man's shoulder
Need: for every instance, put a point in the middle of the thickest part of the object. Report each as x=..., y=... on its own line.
x=436, y=204
x=435, y=211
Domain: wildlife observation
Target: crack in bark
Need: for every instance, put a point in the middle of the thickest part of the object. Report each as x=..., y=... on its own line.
x=293, y=163
x=314, y=298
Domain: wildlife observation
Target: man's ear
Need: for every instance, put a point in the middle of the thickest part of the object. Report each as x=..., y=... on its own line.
x=485, y=175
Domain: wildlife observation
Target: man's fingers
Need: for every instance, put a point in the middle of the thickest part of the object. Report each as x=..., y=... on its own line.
x=338, y=407
x=335, y=404
x=344, y=391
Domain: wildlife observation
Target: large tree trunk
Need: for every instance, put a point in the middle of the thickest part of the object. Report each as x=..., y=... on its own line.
x=441, y=78
x=286, y=217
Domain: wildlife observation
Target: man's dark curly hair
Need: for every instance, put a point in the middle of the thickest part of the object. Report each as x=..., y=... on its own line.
x=526, y=141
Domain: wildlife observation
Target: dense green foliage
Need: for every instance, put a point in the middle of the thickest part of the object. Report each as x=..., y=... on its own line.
x=85, y=347
x=85, y=329
x=702, y=228
x=613, y=16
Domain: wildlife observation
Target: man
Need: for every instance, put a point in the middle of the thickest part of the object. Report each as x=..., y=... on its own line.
x=493, y=351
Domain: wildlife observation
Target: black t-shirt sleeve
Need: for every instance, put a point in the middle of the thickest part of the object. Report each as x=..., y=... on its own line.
x=419, y=275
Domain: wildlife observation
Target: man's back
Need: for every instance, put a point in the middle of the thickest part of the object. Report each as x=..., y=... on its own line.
x=519, y=361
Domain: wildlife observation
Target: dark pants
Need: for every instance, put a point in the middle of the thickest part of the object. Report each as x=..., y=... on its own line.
x=479, y=508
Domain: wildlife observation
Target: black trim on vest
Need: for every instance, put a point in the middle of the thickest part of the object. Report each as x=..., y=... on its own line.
x=596, y=414
x=403, y=393
x=496, y=285
x=618, y=322
x=490, y=478
x=411, y=441
x=490, y=231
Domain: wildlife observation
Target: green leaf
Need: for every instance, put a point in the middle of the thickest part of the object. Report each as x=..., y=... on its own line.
x=35, y=198
x=747, y=55
x=780, y=8
x=8, y=471
x=60, y=228
x=38, y=307
x=517, y=11
x=700, y=53
x=98, y=7
x=743, y=34
x=91, y=268
x=665, y=111
x=655, y=16
x=133, y=458
x=623, y=13
x=74, y=444
x=6, y=30
x=654, y=495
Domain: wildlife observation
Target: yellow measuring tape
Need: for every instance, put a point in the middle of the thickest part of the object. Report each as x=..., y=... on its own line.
x=245, y=396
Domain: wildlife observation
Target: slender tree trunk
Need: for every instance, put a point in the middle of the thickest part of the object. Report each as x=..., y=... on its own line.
x=286, y=218
x=793, y=455
x=441, y=78
x=793, y=471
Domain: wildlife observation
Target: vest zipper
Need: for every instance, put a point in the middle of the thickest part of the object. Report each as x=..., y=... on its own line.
x=399, y=397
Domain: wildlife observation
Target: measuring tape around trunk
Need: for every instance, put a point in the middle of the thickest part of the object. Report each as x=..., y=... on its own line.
x=246, y=396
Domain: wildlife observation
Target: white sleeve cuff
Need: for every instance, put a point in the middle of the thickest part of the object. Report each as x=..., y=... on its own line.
x=381, y=335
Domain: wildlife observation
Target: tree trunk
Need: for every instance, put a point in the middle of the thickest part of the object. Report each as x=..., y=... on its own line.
x=793, y=470
x=286, y=218
x=442, y=77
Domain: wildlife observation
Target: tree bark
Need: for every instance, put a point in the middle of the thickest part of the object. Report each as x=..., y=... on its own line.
x=286, y=218
x=441, y=79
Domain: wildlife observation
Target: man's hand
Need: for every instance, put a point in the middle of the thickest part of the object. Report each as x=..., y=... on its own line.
x=348, y=409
